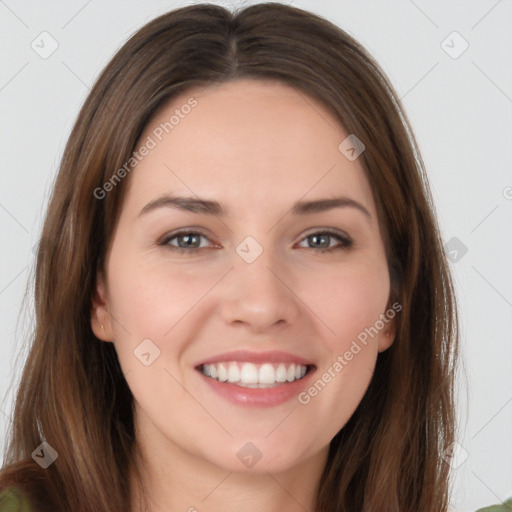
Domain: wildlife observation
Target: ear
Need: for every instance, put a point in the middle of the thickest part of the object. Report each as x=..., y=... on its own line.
x=100, y=316
x=387, y=336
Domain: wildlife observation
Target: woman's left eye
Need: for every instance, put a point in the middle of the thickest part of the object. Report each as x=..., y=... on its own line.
x=190, y=241
x=321, y=240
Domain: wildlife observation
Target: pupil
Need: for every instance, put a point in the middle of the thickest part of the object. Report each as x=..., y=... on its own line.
x=324, y=238
x=188, y=240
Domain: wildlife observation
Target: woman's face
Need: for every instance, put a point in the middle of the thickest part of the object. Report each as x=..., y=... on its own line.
x=219, y=259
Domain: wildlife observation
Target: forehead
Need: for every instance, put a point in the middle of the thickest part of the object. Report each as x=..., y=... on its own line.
x=248, y=141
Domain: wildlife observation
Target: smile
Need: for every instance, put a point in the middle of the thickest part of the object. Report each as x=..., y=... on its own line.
x=250, y=375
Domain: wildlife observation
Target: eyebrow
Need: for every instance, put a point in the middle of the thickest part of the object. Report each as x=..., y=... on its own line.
x=208, y=207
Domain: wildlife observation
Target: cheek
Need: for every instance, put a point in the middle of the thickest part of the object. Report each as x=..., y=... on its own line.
x=349, y=300
x=150, y=298
x=154, y=302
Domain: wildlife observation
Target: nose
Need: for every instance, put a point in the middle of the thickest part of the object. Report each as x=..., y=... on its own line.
x=260, y=295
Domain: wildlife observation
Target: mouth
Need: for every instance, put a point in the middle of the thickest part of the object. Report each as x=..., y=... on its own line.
x=257, y=376
x=256, y=379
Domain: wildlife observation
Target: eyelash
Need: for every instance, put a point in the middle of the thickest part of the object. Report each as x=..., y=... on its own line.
x=346, y=242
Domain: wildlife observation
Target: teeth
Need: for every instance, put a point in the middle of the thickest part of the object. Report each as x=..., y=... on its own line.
x=254, y=376
x=281, y=373
x=249, y=374
x=222, y=372
x=233, y=373
x=267, y=374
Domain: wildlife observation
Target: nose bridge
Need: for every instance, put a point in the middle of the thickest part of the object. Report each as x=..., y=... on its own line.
x=255, y=267
x=258, y=295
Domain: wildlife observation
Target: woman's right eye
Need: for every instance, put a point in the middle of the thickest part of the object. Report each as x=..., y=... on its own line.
x=186, y=241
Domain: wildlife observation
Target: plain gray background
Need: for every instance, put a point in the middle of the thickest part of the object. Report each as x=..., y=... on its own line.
x=460, y=107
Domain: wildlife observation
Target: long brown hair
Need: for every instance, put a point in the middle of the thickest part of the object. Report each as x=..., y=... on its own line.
x=388, y=457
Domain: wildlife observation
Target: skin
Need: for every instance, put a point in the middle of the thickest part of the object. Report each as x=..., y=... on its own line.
x=256, y=147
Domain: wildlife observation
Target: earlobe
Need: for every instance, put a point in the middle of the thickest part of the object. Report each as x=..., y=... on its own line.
x=101, y=323
x=387, y=337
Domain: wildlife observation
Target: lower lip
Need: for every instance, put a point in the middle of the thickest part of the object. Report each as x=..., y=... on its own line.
x=259, y=397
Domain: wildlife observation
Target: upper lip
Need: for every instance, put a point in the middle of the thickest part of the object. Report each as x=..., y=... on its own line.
x=274, y=356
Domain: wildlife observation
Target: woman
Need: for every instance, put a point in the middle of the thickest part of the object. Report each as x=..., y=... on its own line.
x=241, y=293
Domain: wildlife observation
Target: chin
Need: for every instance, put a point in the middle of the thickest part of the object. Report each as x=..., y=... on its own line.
x=259, y=456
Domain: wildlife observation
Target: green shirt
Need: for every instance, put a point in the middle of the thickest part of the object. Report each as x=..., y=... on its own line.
x=506, y=506
x=12, y=500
